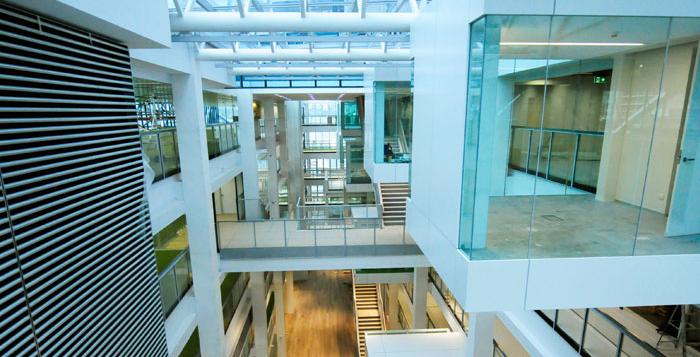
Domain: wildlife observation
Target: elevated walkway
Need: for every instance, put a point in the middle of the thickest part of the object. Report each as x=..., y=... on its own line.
x=347, y=243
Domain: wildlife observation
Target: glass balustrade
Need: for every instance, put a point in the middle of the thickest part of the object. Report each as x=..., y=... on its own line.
x=222, y=138
x=174, y=281
x=344, y=230
x=162, y=152
x=232, y=290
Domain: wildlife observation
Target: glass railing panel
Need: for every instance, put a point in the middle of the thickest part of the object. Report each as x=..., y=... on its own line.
x=389, y=235
x=168, y=291
x=588, y=162
x=149, y=143
x=270, y=233
x=532, y=160
x=236, y=234
x=519, y=148
x=329, y=232
x=561, y=159
x=183, y=275
x=212, y=143
x=297, y=237
x=171, y=159
x=361, y=231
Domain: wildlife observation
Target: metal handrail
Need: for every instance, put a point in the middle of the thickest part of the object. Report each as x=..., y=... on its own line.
x=408, y=332
x=579, y=345
x=173, y=263
x=563, y=131
x=627, y=333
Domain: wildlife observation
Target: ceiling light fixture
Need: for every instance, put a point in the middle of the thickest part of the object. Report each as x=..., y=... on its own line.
x=590, y=44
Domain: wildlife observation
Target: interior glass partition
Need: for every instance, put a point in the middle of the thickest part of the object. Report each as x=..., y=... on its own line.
x=581, y=137
x=221, y=117
x=393, y=128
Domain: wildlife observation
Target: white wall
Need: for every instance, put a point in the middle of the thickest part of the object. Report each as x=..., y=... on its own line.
x=629, y=146
x=138, y=23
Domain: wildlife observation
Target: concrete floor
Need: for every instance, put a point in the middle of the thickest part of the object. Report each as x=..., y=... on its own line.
x=574, y=226
x=322, y=323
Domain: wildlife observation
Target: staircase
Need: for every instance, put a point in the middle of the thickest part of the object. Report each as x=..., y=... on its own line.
x=368, y=316
x=394, y=202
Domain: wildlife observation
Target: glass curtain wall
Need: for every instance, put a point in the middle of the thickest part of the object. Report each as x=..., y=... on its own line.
x=156, y=119
x=581, y=137
x=221, y=116
x=393, y=129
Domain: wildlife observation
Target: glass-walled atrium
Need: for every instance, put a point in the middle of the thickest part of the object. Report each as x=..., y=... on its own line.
x=581, y=137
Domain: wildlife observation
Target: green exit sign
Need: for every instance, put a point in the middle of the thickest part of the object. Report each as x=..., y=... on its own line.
x=600, y=80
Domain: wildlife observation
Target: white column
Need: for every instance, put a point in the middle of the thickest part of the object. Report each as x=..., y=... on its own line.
x=420, y=298
x=289, y=292
x=246, y=138
x=295, y=180
x=480, y=335
x=278, y=286
x=271, y=143
x=194, y=161
x=258, y=298
x=393, y=297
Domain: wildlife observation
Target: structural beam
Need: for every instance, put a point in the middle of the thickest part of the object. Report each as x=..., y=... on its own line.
x=283, y=38
x=282, y=71
x=307, y=65
x=290, y=22
x=220, y=54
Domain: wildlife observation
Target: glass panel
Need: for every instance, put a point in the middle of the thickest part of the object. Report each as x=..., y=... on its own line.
x=578, y=105
x=149, y=143
x=669, y=221
x=182, y=274
x=393, y=121
x=171, y=160
x=168, y=294
x=498, y=189
x=212, y=142
x=270, y=233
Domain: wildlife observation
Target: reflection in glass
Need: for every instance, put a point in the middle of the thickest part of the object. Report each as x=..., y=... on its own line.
x=393, y=103
x=576, y=137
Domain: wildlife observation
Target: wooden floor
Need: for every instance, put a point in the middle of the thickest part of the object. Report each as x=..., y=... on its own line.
x=322, y=323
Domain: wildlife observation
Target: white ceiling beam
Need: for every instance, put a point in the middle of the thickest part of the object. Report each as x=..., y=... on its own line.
x=362, y=8
x=303, y=4
x=270, y=71
x=198, y=21
x=284, y=38
x=206, y=5
x=325, y=64
x=249, y=54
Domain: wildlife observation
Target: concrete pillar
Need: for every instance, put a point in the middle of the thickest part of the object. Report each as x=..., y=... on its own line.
x=278, y=286
x=258, y=299
x=194, y=161
x=271, y=143
x=480, y=335
x=295, y=181
x=246, y=138
x=289, y=292
x=393, y=306
x=420, y=298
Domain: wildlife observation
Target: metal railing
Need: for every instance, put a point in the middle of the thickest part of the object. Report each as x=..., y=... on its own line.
x=323, y=173
x=320, y=145
x=161, y=150
x=174, y=281
x=372, y=211
x=222, y=138
x=623, y=340
x=570, y=157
